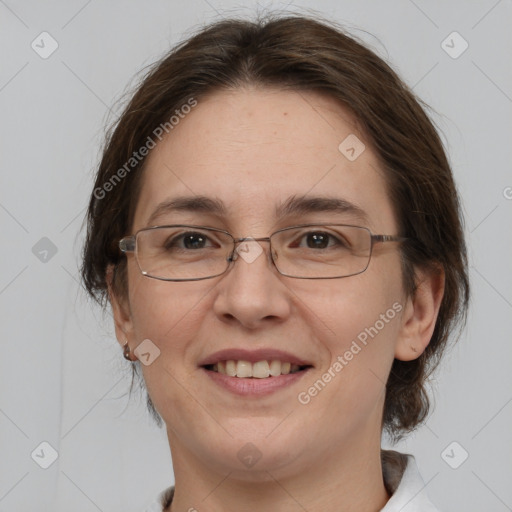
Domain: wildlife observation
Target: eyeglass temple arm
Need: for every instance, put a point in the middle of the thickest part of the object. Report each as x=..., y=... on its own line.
x=127, y=244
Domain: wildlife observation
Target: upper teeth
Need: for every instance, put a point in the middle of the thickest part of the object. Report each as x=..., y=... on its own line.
x=259, y=370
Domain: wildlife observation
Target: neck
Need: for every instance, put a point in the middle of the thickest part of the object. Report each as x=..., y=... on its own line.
x=347, y=479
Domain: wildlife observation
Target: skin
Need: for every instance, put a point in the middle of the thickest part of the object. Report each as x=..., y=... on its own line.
x=253, y=148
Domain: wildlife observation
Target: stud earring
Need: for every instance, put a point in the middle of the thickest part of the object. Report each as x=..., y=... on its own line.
x=127, y=352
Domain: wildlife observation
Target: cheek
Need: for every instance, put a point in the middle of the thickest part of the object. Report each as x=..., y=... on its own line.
x=345, y=308
x=357, y=320
x=360, y=321
x=170, y=315
x=165, y=312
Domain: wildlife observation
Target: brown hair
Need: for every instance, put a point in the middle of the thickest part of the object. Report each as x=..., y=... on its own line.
x=301, y=53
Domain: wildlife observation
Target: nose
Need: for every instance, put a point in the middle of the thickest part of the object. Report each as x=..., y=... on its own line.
x=252, y=293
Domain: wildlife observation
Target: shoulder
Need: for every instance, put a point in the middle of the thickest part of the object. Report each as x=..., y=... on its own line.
x=407, y=488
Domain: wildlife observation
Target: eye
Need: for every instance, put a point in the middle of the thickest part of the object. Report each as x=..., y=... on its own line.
x=189, y=240
x=320, y=240
x=317, y=240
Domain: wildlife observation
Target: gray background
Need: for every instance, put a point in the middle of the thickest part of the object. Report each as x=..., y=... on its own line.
x=62, y=376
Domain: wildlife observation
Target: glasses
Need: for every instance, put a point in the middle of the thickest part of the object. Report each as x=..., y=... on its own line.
x=307, y=251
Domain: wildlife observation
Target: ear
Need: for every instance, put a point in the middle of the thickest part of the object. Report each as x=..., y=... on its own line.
x=420, y=315
x=121, y=311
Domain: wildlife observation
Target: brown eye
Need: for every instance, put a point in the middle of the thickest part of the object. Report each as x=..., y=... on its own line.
x=320, y=240
x=190, y=240
x=317, y=240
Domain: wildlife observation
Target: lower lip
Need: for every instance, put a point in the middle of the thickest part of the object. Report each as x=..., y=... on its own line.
x=253, y=386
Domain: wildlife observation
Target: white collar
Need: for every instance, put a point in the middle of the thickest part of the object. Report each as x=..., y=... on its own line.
x=409, y=493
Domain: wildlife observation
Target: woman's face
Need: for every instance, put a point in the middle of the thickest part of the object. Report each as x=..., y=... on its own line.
x=252, y=150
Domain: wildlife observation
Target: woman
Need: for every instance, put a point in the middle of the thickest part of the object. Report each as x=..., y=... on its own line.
x=276, y=227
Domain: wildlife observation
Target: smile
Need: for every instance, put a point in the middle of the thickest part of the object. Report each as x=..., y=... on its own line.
x=258, y=370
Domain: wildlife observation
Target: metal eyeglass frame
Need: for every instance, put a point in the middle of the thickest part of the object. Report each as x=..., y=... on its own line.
x=129, y=244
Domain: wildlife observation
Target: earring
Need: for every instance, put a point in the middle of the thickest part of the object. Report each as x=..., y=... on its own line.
x=414, y=349
x=127, y=352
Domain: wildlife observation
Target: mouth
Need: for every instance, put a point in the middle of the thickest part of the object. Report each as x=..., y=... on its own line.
x=264, y=369
x=254, y=373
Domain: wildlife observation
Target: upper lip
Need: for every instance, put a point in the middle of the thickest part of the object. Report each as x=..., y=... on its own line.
x=253, y=356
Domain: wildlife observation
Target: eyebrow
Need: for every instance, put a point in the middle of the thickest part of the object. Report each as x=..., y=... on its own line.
x=293, y=206
x=319, y=204
x=201, y=204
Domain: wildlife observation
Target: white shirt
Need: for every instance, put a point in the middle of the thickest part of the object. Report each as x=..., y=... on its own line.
x=409, y=494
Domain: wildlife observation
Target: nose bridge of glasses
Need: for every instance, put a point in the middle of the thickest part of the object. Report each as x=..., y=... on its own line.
x=252, y=239
x=237, y=248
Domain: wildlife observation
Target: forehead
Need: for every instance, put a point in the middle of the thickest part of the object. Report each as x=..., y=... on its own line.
x=253, y=149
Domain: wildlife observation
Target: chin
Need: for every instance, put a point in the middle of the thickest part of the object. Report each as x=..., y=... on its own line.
x=252, y=458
